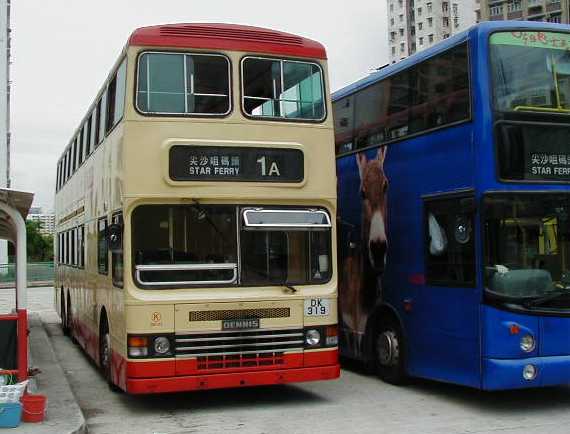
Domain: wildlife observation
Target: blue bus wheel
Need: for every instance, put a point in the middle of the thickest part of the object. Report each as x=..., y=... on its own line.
x=389, y=354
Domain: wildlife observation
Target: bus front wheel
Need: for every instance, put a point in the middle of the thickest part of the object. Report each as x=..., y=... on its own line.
x=105, y=356
x=389, y=353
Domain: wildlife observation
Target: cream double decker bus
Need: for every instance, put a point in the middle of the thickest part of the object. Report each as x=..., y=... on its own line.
x=195, y=211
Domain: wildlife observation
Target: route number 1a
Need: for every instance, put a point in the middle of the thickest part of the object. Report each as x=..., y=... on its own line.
x=271, y=165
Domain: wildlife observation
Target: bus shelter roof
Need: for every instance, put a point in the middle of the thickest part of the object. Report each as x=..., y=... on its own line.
x=19, y=201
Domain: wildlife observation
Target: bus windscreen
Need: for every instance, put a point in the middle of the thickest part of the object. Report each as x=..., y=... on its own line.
x=527, y=247
x=531, y=71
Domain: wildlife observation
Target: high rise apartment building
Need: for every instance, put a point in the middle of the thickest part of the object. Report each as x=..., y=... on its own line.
x=554, y=11
x=417, y=24
x=46, y=220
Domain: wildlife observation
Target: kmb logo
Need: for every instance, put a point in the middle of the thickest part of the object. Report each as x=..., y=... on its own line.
x=156, y=318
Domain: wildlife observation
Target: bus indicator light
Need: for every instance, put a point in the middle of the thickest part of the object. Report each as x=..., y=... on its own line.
x=138, y=346
x=514, y=329
x=332, y=336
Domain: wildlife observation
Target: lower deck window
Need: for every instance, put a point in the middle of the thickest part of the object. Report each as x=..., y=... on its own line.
x=450, y=249
x=185, y=245
x=285, y=257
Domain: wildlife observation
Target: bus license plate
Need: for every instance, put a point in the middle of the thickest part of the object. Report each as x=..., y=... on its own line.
x=317, y=307
x=240, y=324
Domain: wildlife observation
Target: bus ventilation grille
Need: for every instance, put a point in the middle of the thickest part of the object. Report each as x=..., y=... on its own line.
x=241, y=344
x=241, y=361
x=220, y=315
x=194, y=31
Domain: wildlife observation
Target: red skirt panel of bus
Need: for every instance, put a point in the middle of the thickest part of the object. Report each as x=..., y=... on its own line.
x=193, y=374
x=236, y=379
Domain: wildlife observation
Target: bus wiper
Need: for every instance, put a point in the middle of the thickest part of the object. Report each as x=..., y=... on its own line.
x=552, y=296
x=203, y=215
x=289, y=289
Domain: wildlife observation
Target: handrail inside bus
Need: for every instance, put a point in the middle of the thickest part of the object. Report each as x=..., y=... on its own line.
x=528, y=108
x=186, y=267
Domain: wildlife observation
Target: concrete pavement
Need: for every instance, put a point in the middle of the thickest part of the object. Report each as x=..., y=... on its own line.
x=63, y=416
x=355, y=403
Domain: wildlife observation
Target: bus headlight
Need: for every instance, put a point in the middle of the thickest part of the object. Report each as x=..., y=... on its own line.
x=161, y=345
x=312, y=337
x=528, y=343
x=530, y=372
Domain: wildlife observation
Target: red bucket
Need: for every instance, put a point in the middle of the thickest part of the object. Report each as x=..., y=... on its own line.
x=33, y=407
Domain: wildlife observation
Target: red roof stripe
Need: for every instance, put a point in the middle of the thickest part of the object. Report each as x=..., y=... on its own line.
x=227, y=37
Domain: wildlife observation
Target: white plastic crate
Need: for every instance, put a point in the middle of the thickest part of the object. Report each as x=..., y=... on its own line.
x=12, y=393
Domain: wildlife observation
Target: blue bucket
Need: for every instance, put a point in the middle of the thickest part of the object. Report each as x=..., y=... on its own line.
x=10, y=415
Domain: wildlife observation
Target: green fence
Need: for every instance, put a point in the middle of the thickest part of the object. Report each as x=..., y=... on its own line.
x=38, y=273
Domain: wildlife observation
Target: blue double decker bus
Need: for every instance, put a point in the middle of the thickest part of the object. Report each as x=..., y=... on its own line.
x=454, y=211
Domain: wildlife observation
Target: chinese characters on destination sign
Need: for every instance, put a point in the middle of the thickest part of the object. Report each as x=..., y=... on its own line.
x=546, y=152
x=555, y=40
x=550, y=165
x=216, y=163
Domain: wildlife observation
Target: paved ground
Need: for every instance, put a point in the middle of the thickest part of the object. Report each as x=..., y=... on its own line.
x=63, y=413
x=39, y=299
x=355, y=403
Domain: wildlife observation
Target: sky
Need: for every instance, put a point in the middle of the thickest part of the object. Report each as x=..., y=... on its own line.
x=62, y=51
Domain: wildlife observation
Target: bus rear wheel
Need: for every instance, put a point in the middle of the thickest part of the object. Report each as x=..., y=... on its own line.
x=69, y=320
x=63, y=315
x=389, y=353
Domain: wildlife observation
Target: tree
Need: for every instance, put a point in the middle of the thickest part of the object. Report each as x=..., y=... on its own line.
x=40, y=247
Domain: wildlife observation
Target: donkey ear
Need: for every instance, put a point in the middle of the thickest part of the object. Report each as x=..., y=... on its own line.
x=361, y=161
x=382, y=154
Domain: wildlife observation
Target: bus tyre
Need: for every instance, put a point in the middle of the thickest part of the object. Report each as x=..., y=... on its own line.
x=389, y=354
x=105, y=357
x=63, y=315
x=69, y=321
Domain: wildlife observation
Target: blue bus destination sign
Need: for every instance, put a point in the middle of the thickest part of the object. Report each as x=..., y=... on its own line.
x=216, y=163
x=533, y=153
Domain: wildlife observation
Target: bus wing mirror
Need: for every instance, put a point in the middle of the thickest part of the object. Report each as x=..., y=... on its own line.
x=115, y=232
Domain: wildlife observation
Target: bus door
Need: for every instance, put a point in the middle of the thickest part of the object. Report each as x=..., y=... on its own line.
x=443, y=313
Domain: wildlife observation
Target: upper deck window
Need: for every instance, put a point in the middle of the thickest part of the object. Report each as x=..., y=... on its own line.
x=179, y=83
x=426, y=96
x=531, y=71
x=283, y=89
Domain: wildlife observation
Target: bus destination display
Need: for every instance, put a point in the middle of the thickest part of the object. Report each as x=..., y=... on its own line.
x=216, y=163
x=534, y=153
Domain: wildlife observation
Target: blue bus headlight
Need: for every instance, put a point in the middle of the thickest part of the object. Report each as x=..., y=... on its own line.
x=530, y=372
x=528, y=343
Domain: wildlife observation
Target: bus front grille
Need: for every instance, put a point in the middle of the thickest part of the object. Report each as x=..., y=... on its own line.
x=240, y=361
x=242, y=345
x=220, y=315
